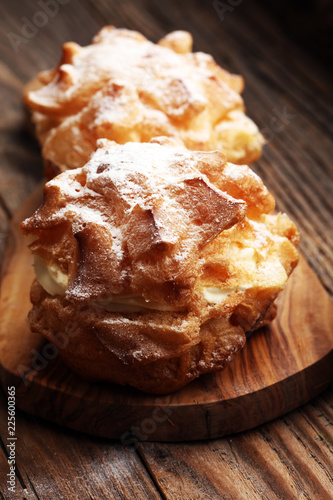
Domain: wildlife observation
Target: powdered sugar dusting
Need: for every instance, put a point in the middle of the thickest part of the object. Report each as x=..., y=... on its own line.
x=238, y=172
x=143, y=200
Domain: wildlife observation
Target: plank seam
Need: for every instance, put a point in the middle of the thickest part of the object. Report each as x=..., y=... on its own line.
x=145, y=464
x=309, y=451
x=17, y=472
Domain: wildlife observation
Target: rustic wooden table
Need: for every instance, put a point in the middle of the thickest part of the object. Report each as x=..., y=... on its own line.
x=288, y=93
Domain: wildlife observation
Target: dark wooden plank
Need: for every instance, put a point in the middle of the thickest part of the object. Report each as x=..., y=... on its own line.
x=250, y=28
x=4, y=471
x=63, y=464
x=20, y=166
x=309, y=24
x=22, y=490
x=288, y=458
x=73, y=20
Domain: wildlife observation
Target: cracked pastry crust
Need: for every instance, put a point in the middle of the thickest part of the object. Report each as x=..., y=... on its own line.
x=155, y=261
x=124, y=88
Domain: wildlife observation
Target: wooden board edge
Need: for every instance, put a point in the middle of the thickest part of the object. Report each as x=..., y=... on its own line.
x=170, y=422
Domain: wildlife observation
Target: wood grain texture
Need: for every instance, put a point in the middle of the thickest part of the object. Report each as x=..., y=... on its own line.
x=59, y=464
x=259, y=464
x=281, y=367
x=23, y=488
x=296, y=166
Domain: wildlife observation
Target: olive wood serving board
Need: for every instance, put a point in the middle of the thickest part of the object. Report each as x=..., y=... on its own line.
x=281, y=367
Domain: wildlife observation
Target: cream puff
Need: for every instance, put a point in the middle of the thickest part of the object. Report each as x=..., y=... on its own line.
x=156, y=260
x=125, y=88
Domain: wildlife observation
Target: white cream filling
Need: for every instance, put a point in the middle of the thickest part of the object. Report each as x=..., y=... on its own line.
x=55, y=282
x=215, y=295
x=52, y=279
